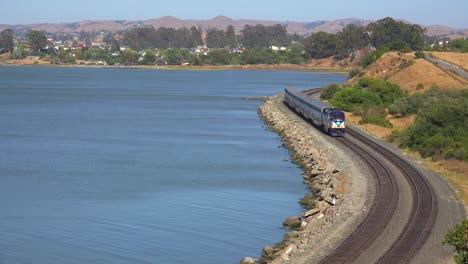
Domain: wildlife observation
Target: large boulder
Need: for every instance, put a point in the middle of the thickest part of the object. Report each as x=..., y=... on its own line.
x=311, y=212
x=267, y=252
x=290, y=235
x=292, y=222
x=247, y=260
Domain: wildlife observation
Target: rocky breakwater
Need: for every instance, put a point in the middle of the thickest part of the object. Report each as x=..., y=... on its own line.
x=327, y=184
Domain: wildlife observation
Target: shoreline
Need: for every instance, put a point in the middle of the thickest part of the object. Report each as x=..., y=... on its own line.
x=327, y=171
x=272, y=67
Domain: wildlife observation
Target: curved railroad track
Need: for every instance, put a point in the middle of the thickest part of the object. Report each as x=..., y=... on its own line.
x=423, y=211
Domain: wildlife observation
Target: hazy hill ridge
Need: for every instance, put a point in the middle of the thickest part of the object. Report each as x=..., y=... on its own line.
x=220, y=22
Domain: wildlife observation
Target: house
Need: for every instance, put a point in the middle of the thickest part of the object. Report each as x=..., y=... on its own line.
x=96, y=46
x=275, y=48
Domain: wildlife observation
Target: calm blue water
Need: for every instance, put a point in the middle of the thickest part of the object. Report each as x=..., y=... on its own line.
x=142, y=166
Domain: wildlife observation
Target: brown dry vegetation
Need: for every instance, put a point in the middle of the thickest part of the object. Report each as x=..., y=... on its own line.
x=458, y=59
x=426, y=75
x=5, y=59
x=27, y=62
x=455, y=173
x=409, y=72
x=331, y=63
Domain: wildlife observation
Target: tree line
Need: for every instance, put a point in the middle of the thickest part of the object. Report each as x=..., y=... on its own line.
x=162, y=38
x=258, y=36
x=386, y=33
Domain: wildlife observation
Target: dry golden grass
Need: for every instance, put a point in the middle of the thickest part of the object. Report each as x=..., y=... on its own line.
x=386, y=66
x=27, y=62
x=408, y=72
x=458, y=59
x=424, y=73
x=380, y=132
x=455, y=172
x=332, y=63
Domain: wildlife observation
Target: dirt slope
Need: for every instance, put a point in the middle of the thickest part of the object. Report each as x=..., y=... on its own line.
x=413, y=75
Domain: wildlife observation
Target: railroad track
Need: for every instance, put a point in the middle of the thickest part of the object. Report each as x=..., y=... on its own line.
x=423, y=211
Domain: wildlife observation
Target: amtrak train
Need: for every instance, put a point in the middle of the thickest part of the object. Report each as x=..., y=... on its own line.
x=330, y=119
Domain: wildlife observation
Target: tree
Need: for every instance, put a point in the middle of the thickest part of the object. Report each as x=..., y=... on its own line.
x=149, y=57
x=128, y=57
x=387, y=30
x=37, y=40
x=231, y=36
x=216, y=38
x=196, y=36
x=162, y=38
x=321, y=45
x=354, y=37
x=261, y=36
x=6, y=39
x=108, y=38
x=173, y=57
x=115, y=46
x=278, y=35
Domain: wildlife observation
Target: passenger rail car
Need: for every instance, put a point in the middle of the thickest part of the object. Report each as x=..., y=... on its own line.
x=329, y=119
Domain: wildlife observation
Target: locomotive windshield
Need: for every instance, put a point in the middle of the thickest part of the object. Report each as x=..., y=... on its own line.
x=336, y=115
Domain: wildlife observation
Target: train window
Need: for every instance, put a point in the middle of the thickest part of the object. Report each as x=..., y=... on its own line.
x=337, y=115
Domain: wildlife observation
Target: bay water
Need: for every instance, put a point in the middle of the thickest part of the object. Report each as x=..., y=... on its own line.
x=105, y=165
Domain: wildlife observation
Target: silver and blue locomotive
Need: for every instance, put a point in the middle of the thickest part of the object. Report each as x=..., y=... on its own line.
x=330, y=119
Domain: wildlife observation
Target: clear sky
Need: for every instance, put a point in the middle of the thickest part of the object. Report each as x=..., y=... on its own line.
x=452, y=13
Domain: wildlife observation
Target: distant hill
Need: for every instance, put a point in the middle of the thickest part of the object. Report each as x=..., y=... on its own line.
x=220, y=22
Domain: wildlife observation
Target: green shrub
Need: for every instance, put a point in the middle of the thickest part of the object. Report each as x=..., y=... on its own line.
x=458, y=238
x=420, y=86
x=400, y=46
x=376, y=120
x=439, y=129
x=373, y=56
x=394, y=109
x=388, y=92
x=419, y=55
x=348, y=98
x=396, y=135
x=375, y=115
x=330, y=91
x=353, y=73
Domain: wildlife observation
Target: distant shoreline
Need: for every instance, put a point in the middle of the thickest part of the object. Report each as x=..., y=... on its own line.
x=272, y=67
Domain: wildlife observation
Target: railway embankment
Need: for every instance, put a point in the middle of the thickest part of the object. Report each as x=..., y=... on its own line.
x=337, y=194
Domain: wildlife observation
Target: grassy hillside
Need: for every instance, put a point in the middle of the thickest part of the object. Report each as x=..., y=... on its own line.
x=412, y=74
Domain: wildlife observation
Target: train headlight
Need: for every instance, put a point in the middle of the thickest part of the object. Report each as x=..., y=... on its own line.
x=337, y=124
